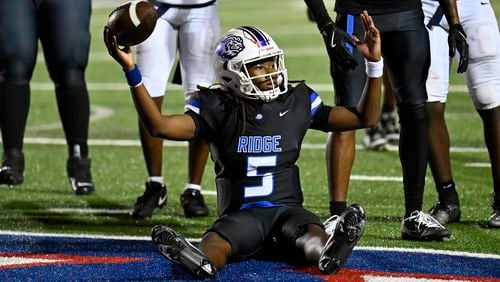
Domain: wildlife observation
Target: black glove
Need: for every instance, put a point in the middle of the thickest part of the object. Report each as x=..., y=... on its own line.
x=457, y=40
x=335, y=40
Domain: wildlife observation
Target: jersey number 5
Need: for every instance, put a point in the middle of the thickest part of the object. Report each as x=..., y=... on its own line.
x=253, y=164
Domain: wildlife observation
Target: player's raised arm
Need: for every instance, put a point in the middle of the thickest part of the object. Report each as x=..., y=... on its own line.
x=367, y=112
x=174, y=127
x=336, y=39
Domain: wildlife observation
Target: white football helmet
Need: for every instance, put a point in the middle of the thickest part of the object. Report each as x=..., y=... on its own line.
x=244, y=45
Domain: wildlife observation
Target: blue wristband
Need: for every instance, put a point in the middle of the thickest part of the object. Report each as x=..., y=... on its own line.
x=134, y=77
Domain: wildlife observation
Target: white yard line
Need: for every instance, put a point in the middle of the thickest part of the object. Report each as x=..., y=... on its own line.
x=98, y=113
x=89, y=211
x=122, y=86
x=167, y=143
x=477, y=164
x=101, y=112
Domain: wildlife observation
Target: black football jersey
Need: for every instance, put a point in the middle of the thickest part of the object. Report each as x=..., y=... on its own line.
x=376, y=7
x=255, y=156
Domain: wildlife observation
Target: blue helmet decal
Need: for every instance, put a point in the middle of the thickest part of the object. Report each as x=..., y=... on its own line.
x=230, y=46
x=258, y=36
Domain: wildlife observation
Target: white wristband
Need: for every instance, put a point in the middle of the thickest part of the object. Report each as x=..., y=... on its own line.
x=374, y=69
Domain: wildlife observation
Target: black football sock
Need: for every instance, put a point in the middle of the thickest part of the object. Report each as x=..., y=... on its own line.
x=413, y=153
x=337, y=208
x=74, y=110
x=491, y=125
x=14, y=108
x=447, y=193
x=496, y=196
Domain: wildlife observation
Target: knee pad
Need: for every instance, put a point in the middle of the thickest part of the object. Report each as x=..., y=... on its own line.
x=18, y=72
x=68, y=77
x=485, y=95
x=411, y=114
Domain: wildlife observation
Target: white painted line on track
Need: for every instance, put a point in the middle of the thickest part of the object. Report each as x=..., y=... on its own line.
x=148, y=238
x=88, y=236
x=429, y=251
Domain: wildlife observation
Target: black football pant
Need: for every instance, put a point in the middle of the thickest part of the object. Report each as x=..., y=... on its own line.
x=63, y=29
x=405, y=48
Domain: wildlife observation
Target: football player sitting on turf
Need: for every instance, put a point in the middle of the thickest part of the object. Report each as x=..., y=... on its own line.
x=255, y=124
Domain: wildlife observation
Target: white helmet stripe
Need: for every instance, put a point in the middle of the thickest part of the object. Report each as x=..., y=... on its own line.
x=132, y=11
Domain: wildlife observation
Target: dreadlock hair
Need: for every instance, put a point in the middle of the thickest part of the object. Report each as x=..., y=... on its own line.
x=234, y=103
x=241, y=106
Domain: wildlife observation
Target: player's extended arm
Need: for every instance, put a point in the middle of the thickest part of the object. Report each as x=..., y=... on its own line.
x=457, y=39
x=367, y=112
x=335, y=38
x=174, y=127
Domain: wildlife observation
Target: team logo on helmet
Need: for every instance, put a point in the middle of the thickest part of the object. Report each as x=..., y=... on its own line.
x=230, y=47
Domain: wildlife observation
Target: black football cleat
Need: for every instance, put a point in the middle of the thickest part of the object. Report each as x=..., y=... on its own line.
x=179, y=251
x=154, y=196
x=420, y=226
x=445, y=213
x=348, y=230
x=193, y=203
x=12, y=169
x=80, y=177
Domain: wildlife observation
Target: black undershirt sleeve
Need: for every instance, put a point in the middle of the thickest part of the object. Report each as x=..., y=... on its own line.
x=199, y=123
x=320, y=118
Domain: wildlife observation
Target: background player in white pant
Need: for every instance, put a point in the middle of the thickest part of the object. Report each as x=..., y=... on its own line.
x=190, y=28
x=483, y=82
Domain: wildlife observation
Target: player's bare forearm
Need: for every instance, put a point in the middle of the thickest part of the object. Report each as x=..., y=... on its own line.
x=366, y=114
x=368, y=110
x=457, y=39
x=369, y=106
x=174, y=127
x=450, y=11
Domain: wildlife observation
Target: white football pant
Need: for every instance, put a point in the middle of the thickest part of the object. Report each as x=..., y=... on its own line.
x=483, y=73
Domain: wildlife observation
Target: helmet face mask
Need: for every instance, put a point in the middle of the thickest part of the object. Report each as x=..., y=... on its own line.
x=242, y=47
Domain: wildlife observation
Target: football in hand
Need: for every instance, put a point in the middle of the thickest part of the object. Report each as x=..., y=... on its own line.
x=132, y=22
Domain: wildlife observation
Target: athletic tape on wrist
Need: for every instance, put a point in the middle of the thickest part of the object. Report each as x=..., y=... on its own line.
x=374, y=69
x=134, y=77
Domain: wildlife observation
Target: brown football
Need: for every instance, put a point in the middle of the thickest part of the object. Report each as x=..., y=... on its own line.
x=132, y=22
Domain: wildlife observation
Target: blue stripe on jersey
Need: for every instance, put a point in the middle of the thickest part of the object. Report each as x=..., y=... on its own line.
x=263, y=40
x=315, y=102
x=193, y=105
x=350, y=30
x=436, y=18
x=162, y=9
x=259, y=204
